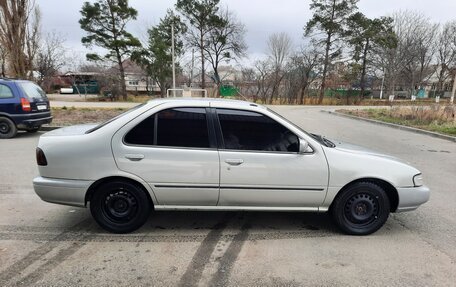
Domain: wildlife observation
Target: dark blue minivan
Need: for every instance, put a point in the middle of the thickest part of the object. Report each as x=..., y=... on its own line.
x=23, y=106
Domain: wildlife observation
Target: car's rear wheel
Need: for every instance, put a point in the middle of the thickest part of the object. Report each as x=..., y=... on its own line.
x=33, y=130
x=7, y=128
x=120, y=207
x=361, y=209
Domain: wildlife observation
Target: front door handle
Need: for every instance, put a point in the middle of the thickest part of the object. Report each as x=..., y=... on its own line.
x=234, y=161
x=134, y=157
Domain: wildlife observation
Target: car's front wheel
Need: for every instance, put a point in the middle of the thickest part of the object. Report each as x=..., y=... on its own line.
x=7, y=128
x=120, y=207
x=361, y=208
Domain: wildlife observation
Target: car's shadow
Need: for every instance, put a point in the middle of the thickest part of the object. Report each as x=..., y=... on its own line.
x=197, y=225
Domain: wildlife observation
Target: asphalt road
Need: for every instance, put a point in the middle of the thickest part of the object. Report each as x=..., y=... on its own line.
x=43, y=244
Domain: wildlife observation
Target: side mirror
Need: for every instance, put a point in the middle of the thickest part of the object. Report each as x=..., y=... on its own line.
x=304, y=147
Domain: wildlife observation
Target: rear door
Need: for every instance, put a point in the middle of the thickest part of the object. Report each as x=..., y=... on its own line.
x=7, y=101
x=260, y=165
x=174, y=151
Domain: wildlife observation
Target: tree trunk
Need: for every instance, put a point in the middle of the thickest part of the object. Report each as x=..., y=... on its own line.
x=301, y=97
x=325, y=69
x=123, y=86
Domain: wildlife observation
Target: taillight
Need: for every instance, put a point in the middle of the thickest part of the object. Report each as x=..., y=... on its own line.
x=40, y=157
x=25, y=105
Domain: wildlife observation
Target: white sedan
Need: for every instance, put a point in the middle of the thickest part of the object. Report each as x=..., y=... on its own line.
x=209, y=154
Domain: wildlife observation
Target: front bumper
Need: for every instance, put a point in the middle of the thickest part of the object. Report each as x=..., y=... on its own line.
x=411, y=198
x=62, y=191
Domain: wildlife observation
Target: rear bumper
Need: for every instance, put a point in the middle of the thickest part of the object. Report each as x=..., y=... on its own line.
x=411, y=198
x=62, y=191
x=32, y=120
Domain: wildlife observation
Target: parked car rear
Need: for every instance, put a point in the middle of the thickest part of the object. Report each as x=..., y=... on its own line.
x=23, y=106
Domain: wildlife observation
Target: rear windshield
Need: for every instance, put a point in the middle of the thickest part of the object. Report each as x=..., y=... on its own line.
x=113, y=119
x=33, y=91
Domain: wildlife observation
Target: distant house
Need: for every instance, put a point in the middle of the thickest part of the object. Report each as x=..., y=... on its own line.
x=137, y=81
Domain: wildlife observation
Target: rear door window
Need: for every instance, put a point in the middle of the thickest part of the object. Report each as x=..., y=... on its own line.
x=5, y=92
x=178, y=127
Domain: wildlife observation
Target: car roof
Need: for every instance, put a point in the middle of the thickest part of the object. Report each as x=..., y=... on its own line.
x=184, y=101
x=9, y=80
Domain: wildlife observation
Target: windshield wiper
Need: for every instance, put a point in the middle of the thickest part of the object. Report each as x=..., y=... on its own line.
x=323, y=140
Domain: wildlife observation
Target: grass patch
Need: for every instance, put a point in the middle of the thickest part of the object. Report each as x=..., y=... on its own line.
x=440, y=119
x=67, y=116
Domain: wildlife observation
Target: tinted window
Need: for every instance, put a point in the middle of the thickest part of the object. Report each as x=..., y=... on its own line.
x=5, y=92
x=143, y=133
x=244, y=130
x=33, y=91
x=181, y=127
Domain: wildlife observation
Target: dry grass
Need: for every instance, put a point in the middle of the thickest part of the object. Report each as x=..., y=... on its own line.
x=434, y=118
x=73, y=116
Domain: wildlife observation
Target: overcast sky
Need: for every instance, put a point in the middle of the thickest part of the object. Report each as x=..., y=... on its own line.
x=261, y=17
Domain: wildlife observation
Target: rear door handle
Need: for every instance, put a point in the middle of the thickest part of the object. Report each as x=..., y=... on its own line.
x=134, y=157
x=234, y=161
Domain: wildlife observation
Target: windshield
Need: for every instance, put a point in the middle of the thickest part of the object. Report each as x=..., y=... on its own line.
x=321, y=139
x=113, y=119
x=33, y=91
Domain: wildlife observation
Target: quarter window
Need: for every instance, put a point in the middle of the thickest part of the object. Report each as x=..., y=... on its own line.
x=5, y=92
x=180, y=127
x=245, y=130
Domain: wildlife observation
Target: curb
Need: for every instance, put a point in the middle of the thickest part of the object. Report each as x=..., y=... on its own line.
x=396, y=126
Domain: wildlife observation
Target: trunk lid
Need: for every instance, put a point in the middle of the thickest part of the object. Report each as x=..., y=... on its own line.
x=71, y=130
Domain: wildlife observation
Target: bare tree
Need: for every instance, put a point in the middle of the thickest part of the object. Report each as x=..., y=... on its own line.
x=19, y=34
x=446, y=53
x=418, y=39
x=225, y=42
x=51, y=56
x=279, y=49
x=33, y=40
x=392, y=58
x=263, y=81
x=306, y=67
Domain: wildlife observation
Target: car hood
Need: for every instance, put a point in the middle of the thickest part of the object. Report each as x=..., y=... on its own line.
x=352, y=148
x=71, y=130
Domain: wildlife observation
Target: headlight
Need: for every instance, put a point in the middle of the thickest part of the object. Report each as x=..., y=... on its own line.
x=418, y=180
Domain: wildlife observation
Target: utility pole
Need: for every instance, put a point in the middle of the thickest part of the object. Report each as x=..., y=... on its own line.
x=454, y=90
x=381, y=88
x=172, y=51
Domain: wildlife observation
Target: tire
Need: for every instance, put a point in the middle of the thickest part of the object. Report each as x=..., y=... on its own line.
x=8, y=128
x=33, y=130
x=361, y=209
x=120, y=206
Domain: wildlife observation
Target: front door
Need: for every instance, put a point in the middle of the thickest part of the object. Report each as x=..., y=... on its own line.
x=260, y=165
x=173, y=152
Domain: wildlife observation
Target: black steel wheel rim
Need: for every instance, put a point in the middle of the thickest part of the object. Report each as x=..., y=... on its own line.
x=361, y=209
x=120, y=206
x=4, y=128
